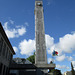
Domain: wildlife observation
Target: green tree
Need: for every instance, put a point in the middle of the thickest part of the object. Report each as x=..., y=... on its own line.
x=55, y=72
x=32, y=58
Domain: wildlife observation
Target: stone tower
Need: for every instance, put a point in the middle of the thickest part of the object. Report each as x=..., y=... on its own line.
x=41, y=56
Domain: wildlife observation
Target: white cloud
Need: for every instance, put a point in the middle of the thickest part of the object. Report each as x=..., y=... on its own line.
x=62, y=67
x=49, y=60
x=49, y=41
x=73, y=54
x=70, y=58
x=26, y=23
x=61, y=58
x=21, y=31
x=5, y=25
x=73, y=62
x=15, y=49
x=27, y=47
x=11, y=33
x=14, y=32
x=66, y=44
x=11, y=21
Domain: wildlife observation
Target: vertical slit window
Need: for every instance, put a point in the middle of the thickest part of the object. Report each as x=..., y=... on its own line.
x=0, y=68
x=4, y=48
x=7, y=53
x=1, y=45
x=38, y=38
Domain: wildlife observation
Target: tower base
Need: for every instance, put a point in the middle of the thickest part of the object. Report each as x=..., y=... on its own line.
x=45, y=66
x=42, y=69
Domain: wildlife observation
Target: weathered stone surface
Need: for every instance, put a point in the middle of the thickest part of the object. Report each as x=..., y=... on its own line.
x=45, y=65
x=41, y=57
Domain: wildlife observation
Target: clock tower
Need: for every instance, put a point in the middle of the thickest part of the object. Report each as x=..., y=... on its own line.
x=41, y=56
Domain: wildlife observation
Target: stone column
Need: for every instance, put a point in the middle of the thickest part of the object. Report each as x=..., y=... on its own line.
x=41, y=57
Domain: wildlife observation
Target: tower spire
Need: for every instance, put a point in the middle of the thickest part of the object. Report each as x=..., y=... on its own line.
x=41, y=57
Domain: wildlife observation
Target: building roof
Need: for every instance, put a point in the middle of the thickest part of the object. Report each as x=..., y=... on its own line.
x=6, y=38
x=21, y=61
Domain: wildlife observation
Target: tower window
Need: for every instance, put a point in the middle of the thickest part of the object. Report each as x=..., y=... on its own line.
x=39, y=4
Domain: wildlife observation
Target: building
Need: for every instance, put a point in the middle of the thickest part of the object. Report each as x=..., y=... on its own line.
x=68, y=73
x=21, y=61
x=6, y=52
x=22, y=71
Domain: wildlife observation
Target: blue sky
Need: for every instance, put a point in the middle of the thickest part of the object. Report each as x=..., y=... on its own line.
x=18, y=20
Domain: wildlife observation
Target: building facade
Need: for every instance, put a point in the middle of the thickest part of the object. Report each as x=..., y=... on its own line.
x=21, y=71
x=6, y=52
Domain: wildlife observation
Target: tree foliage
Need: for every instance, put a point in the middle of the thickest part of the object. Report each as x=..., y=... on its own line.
x=55, y=72
x=32, y=58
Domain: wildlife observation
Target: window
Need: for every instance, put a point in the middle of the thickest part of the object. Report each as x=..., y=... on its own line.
x=1, y=45
x=0, y=68
x=4, y=70
x=38, y=38
x=4, y=49
x=7, y=53
x=10, y=57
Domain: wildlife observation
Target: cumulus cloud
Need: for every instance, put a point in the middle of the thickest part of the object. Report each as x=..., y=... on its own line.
x=66, y=44
x=5, y=25
x=21, y=31
x=61, y=58
x=14, y=32
x=26, y=23
x=73, y=54
x=11, y=21
x=49, y=41
x=15, y=49
x=62, y=67
x=69, y=58
x=27, y=47
x=49, y=60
